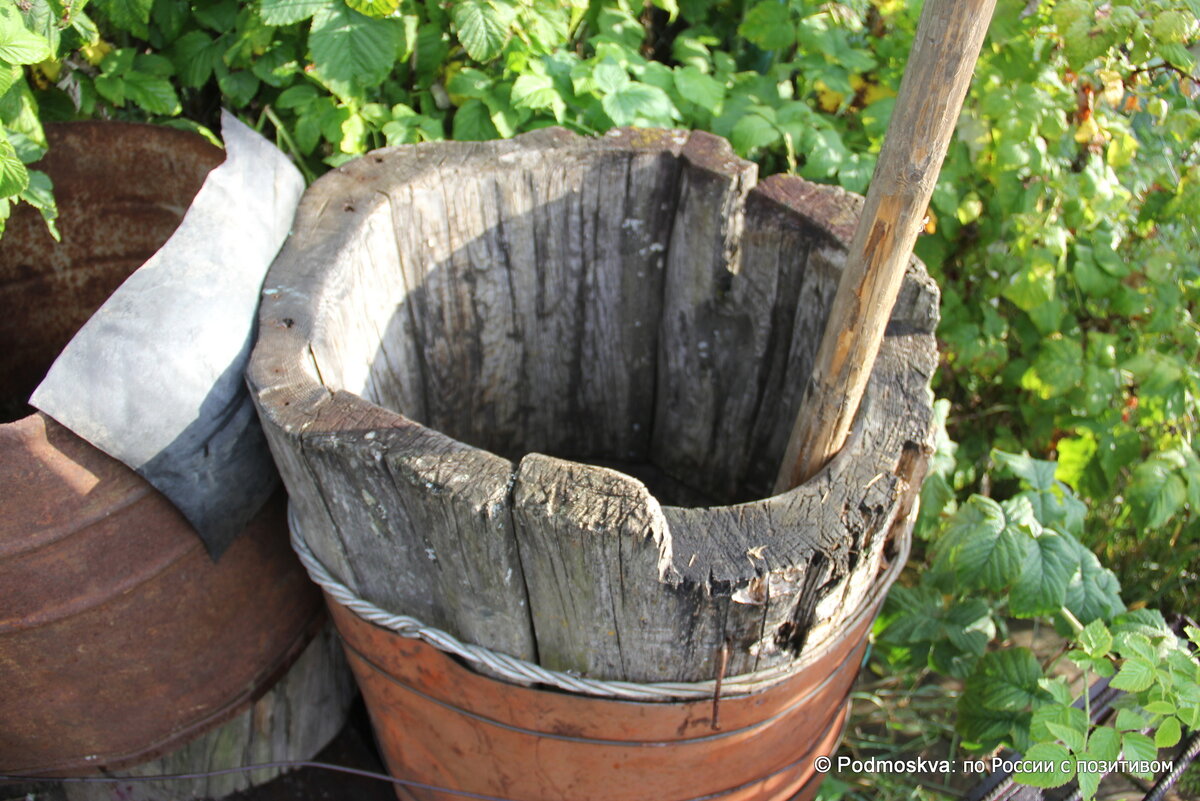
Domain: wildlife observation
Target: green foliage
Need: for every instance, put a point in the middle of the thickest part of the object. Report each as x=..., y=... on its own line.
x=1063, y=232
x=1019, y=557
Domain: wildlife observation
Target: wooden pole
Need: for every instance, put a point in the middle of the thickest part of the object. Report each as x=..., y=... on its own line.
x=949, y=36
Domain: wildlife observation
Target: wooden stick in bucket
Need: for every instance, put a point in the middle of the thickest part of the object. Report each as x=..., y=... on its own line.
x=949, y=36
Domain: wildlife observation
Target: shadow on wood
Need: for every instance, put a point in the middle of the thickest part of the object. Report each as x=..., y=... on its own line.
x=455, y=330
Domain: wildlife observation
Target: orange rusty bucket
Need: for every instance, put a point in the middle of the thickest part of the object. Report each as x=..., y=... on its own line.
x=528, y=392
x=448, y=731
x=120, y=639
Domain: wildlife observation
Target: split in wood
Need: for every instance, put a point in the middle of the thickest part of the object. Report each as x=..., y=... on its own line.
x=459, y=311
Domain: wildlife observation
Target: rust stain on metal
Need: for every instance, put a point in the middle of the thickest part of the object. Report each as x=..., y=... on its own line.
x=120, y=640
x=121, y=194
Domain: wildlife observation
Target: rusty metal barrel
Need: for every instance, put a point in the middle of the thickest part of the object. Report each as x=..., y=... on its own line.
x=528, y=399
x=121, y=641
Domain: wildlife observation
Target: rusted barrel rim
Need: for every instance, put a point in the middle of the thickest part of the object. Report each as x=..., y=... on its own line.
x=522, y=672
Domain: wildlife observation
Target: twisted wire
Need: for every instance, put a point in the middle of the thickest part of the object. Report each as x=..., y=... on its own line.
x=523, y=672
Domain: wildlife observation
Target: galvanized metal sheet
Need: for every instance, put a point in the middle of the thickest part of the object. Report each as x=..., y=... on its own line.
x=154, y=379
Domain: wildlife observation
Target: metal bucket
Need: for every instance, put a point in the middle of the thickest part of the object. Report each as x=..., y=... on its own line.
x=120, y=639
x=444, y=725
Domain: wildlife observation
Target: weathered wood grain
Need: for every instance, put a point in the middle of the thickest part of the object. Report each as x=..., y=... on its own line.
x=294, y=720
x=714, y=322
x=425, y=520
x=949, y=36
x=630, y=299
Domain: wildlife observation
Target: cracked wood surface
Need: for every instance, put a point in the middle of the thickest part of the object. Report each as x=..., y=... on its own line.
x=451, y=324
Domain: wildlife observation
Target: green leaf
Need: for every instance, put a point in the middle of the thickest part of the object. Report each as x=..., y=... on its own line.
x=1058, y=368
x=196, y=54
x=111, y=89
x=221, y=16
x=128, y=15
x=9, y=75
x=1157, y=373
x=768, y=24
x=1138, y=747
x=40, y=195
x=28, y=149
x=918, y=611
x=1157, y=492
x=1059, y=690
x=1093, y=592
x=238, y=87
x=609, y=76
x=753, y=131
x=1096, y=639
x=1038, y=474
x=169, y=18
x=548, y=26
x=1193, y=634
x=296, y=96
x=696, y=87
x=473, y=122
x=1104, y=743
x=1007, y=680
x=1052, y=755
x=1046, y=571
x=669, y=6
x=985, y=544
x=308, y=133
x=538, y=92
x=350, y=50
x=482, y=26
x=14, y=178
x=374, y=8
x=1168, y=734
x=1128, y=720
x=155, y=95
x=1032, y=287
x=1160, y=708
x=1089, y=780
x=1132, y=643
x=1136, y=674
x=638, y=102
x=20, y=46
x=468, y=83
x=354, y=134
x=40, y=191
x=46, y=18
x=1060, y=722
x=184, y=124
x=154, y=65
x=287, y=12
x=823, y=153
x=277, y=67
x=1177, y=56
x=506, y=116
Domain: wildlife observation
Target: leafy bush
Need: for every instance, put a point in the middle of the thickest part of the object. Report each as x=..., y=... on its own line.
x=1063, y=232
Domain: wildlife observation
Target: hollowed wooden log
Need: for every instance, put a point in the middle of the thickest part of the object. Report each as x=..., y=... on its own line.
x=468, y=351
